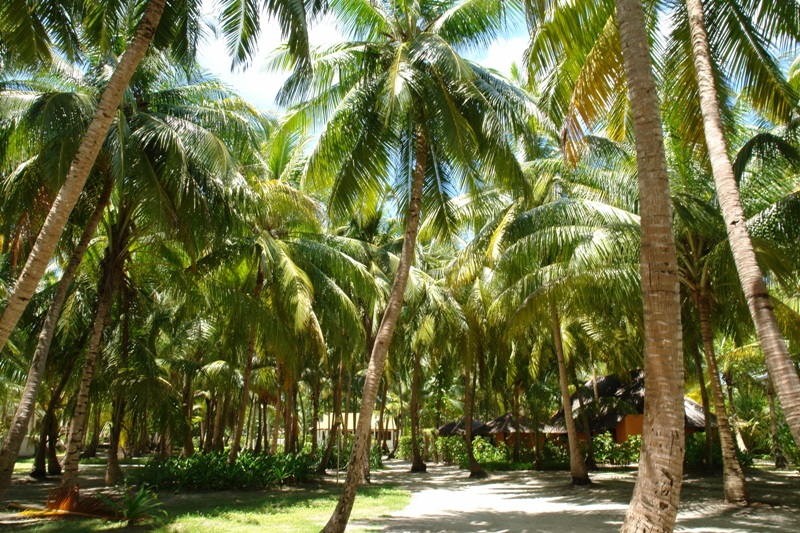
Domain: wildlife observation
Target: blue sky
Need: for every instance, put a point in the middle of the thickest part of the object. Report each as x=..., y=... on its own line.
x=259, y=87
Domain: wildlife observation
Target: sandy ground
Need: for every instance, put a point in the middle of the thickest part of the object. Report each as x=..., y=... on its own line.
x=444, y=499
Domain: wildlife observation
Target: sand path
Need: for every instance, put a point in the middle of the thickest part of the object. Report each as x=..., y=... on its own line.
x=444, y=499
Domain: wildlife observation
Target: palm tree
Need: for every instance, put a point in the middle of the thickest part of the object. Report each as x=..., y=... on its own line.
x=782, y=370
x=401, y=92
x=654, y=505
x=240, y=25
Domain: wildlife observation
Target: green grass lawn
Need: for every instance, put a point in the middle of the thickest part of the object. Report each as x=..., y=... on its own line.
x=296, y=509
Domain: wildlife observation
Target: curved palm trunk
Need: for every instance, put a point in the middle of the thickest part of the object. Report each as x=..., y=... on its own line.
x=377, y=361
x=781, y=369
x=75, y=438
x=709, y=432
x=654, y=505
x=381, y=424
x=27, y=404
x=417, y=464
x=315, y=392
x=79, y=171
x=733, y=478
x=577, y=466
x=248, y=370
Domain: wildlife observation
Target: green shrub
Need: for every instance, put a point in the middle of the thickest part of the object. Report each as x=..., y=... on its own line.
x=696, y=451
x=554, y=456
x=452, y=450
x=607, y=451
x=404, y=447
x=212, y=471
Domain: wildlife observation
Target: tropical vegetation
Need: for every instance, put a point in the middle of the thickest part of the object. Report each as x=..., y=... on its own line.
x=413, y=237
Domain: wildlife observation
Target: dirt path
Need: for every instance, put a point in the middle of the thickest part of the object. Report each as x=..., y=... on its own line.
x=445, y=500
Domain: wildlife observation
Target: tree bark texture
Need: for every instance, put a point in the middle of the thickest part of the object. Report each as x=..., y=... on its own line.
x=79, y=170
x=377, y=362
x=779, y=365
x=654, y=505
x=417, y=464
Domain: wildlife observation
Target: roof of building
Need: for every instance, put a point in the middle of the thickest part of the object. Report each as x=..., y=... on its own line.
x=456, y=427
x=618, y=398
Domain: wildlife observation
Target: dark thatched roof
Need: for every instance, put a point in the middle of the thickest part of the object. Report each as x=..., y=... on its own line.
x=618, y=397
x=505, y=424
x=456, y=427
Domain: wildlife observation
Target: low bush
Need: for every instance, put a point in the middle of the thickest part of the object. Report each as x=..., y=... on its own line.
x=695, y=455
x=607, y=451
x=212, y=472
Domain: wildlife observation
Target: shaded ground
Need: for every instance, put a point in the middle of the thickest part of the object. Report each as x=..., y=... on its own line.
x=445, y=500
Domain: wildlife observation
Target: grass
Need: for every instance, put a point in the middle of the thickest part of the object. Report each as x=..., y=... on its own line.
x=295, y=509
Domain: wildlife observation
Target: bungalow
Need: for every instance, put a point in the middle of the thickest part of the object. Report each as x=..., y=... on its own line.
x=390, y=431
x=619, y=408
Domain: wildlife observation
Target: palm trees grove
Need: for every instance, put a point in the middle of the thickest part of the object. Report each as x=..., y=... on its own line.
x=412, y=239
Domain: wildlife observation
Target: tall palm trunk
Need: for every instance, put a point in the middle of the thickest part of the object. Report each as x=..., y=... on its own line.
x=709, y=432
x=79, y=171
x=75, y=438
x=654, y=505
x=248, y=370
x=417, y=464
x=475, y=469
x=50, y=426
x=315, y=392
x=91, y=449
x=577, y=466
x=113, y=470
x=377, y=360
x=187, y=399
x=777, y=449
x=781, y=369
x=334, y=428
x=381, y=422
x=27, y=404
x=733, y=478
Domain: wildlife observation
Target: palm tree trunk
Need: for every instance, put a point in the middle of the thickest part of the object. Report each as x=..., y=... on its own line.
x=248, y=370
x=417, y=464
x=381, y=423
x=53, y=466
x=91, y=448
x=337, y=415
x=517, y=436
x=75, y=439
x=654, y=505
x=594, y=379
x=315, y=392
x=577, y=466
x=39, y=470
x=733, y=478
x=781, y=369
x=113, y=470
x=709, y=432
x=777, y=450
x=79, y=171
x=275, y=425
x=208, y=437
x=475, y=469
x=26, y=407
x=377, y=361
x=221, y=422
x=188, y=410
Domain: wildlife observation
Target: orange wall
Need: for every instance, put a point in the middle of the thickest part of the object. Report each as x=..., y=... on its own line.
x=630, y=425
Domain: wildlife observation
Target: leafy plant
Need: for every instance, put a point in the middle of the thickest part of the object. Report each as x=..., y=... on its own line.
x=143, y=506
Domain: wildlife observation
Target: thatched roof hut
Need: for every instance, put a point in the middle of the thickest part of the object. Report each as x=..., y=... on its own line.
x=456, y=427
x=505, y=424
x=620, y=400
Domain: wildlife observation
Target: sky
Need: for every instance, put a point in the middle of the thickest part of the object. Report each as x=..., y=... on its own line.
x=259, y=87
